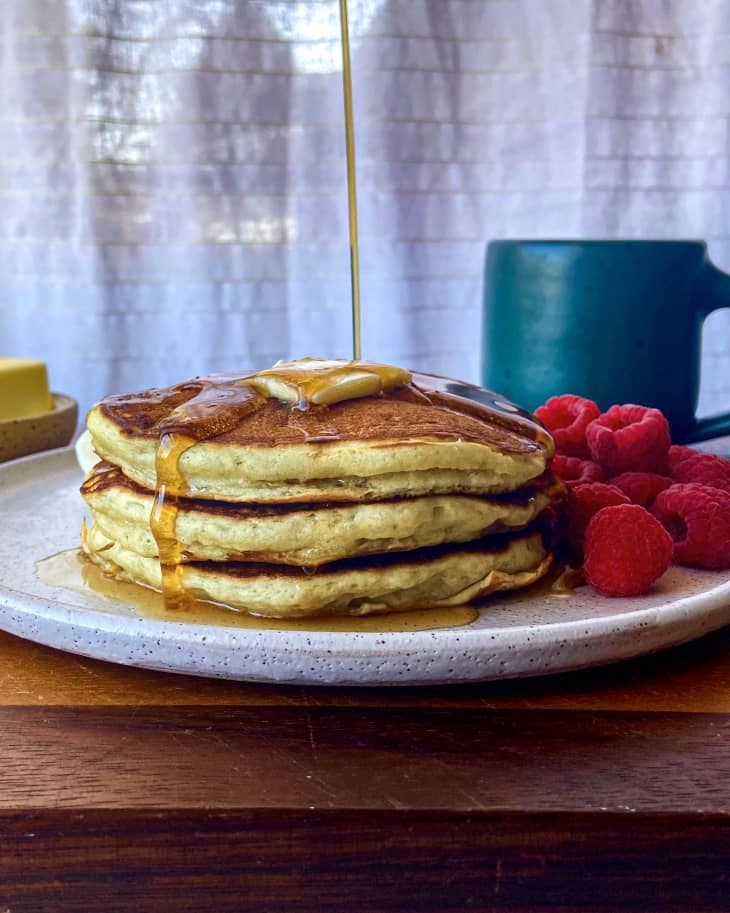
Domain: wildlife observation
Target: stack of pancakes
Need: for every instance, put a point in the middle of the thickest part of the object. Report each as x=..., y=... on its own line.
x=318, y=488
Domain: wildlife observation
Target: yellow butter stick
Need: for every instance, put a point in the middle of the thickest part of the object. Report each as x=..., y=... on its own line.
x=23, y=388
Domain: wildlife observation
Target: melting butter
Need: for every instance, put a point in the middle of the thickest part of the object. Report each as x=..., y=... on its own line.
x=324, y=382
x=71, y=570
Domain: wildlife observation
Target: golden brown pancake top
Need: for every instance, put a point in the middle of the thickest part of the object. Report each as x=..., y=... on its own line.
x=220, y=410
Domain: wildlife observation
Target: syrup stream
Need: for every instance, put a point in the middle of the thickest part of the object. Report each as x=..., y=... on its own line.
x=351, y=179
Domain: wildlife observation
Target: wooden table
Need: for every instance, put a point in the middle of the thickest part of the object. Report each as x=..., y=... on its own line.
x=124, y=789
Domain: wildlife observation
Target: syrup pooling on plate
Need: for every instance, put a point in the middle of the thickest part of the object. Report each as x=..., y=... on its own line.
x=72, y=570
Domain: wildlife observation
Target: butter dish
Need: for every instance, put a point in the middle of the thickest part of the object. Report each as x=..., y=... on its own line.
x=44, y=431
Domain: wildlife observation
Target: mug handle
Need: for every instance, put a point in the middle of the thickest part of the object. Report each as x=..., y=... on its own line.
x=714, y=293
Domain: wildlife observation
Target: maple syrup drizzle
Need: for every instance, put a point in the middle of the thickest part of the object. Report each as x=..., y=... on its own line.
x=215, y=409
x=163, y=520
x=483, y=404
x=351, y=178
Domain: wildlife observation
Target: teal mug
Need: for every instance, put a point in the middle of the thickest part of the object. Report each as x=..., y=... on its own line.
x=616, y=321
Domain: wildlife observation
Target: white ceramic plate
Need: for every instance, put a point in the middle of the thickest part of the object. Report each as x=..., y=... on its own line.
x=531, y=633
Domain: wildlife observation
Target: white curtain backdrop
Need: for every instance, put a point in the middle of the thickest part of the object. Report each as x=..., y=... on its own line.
x=172, y=176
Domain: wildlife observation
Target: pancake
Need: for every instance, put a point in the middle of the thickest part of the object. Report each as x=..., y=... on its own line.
x=444, y=575
x=306, y=534
x=318, y=487
x=413, y=439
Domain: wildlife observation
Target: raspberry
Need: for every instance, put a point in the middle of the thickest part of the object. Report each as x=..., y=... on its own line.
x=583, y=502
x=641, y=487
x=630, y=439
x=698, y=519
x=677, y=454
x=626, y=550
x=566, y=418
x=704, y=468
x=573, y=471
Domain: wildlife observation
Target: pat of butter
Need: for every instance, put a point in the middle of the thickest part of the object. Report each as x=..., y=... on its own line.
x=326, y=382
x=23, y=388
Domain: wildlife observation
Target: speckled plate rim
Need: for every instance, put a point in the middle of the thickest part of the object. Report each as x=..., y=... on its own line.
x=616, y=630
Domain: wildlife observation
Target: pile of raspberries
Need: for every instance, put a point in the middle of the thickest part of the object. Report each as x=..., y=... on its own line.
x=635, y=503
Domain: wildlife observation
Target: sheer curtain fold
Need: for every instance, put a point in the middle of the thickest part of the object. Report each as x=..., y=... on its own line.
x=173, y=178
